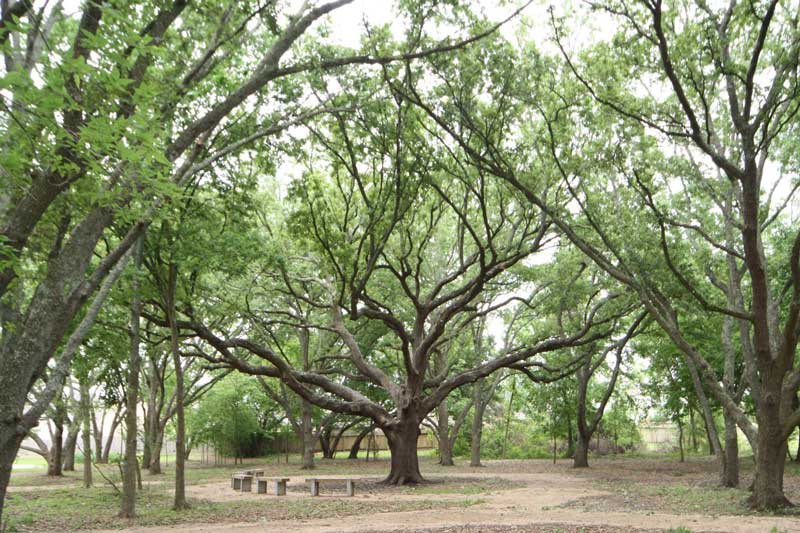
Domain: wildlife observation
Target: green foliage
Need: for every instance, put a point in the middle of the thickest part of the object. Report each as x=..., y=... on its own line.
x=229, y=417
x=522, y=442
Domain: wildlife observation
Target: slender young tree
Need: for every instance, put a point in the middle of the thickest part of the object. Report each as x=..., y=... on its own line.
x=180, y=424
x=130, y=463
x=587, y=425
x=86, y=433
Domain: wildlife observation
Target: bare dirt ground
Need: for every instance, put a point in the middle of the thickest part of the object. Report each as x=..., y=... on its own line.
x=545, y=497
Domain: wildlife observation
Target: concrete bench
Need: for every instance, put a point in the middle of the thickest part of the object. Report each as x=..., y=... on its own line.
x=278, y=485
x=350, y=483
x=242, y=482
x=255, y=473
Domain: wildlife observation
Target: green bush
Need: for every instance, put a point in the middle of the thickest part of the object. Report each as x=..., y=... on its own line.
x=228, y=418
x=524, y=442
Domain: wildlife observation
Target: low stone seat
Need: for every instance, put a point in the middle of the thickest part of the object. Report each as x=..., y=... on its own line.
x=278, y=485
x=350, y=484
x=242, y=482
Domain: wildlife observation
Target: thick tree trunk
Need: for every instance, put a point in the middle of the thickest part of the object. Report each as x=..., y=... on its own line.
x=306, y=426
x=139, y=485
x=97, y=433
x=70, y=444
x=768, y=484
x=56, y=462
x=356, y=447
x=54, y=466
x=403, y=446
x=10, y=440
x=770, y=457
x=128, y=503
x=87, y=436
x=308, y=436
x=440, y=361
x=729, y=477
x=110, y=440
x=156, y=443
x=581, y=458
x=325, y=442
x=146, y=452
x=443, y=432
x=477, y=425
x=479, y=399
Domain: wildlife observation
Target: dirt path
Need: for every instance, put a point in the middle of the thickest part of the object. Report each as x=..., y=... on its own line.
x=535, y=504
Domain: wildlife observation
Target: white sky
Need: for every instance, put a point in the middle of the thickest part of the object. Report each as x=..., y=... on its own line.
x=347, y=23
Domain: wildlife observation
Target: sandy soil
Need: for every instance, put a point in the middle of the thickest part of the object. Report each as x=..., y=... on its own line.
x=531, y=508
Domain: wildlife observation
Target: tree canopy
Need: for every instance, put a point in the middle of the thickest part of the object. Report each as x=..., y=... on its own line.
x=221, y=211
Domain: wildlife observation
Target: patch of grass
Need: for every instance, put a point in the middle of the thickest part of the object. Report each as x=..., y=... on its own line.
x=673, y=497
x=34, y=460
x=705, y=500
x=40, y=479
x=792, y=468
x=465, y=486
x=73, y=509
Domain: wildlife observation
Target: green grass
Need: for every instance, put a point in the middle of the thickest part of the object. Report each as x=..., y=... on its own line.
x=38, y=479
x=72, y=509
x=704, y=500
x=679, y=498
x=64, y=505
x=31, y=460
x=30, y=464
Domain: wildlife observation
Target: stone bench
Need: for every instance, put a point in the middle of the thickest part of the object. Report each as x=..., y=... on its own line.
x=314, y=482
x=255, y=473
x=278, y=485
x=242, y=482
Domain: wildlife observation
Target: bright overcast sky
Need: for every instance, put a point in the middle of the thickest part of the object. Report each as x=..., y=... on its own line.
x=347, y=23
